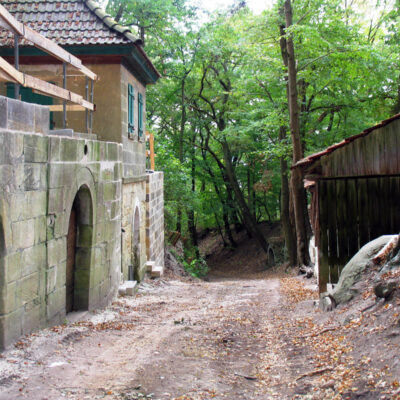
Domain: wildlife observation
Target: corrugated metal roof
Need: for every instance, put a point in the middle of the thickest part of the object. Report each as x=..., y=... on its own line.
x=316, y=156
x=67, y=22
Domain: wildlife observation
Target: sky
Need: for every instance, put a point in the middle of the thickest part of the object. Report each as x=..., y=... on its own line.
x=212, y=5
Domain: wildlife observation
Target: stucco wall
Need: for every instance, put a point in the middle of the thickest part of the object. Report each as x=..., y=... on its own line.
x=40, y=177
x=134, y=148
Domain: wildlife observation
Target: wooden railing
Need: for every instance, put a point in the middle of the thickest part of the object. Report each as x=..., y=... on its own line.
x=150, y=152
x=10, y=73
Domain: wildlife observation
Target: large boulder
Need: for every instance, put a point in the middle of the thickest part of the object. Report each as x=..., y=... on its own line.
x=344, y=291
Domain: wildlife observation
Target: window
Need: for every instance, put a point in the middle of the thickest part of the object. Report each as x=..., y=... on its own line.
x=131, y=109
x=140, y=114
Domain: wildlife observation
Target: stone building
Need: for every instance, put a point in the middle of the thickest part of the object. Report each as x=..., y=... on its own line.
x=79, y=212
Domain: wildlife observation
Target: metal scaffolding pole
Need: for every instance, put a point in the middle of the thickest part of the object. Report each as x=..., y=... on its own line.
x=16, y=63
x=64, y=102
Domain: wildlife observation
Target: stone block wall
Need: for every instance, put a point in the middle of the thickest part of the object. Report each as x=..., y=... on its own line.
x=42, y=177
x=134, y=229
x=155, y=217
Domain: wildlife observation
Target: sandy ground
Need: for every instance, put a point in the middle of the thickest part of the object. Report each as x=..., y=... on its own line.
x=231, y=338
x=172, y=339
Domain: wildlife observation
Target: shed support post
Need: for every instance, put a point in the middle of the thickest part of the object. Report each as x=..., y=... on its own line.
x=16, y=63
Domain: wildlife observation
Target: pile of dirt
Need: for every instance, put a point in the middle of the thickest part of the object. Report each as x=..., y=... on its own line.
x=173, y=269
x=358, y=342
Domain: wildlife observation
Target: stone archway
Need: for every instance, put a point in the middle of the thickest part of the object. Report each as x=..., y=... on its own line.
x=136, y=244
x=79, y=249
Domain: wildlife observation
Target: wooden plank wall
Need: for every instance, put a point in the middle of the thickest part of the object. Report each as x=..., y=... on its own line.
x=374, y=154
x=352, y=212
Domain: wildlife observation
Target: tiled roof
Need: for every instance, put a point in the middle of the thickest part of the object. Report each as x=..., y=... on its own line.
x=67, y=22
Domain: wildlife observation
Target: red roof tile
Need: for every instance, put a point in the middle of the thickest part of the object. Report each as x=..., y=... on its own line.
x=67, y=22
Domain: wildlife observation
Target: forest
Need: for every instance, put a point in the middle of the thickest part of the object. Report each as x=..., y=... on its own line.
x=244, y=96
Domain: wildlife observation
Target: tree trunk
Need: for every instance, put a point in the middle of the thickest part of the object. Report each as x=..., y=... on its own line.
x=180, y=152
x=141, y=30
x=220, y=230
x=249, y=221
x=190, y=213
x=297, y=177
x=287, y=228
x=225, y=206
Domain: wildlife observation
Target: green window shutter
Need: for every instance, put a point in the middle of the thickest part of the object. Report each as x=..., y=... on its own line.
x=140, y=114
x=131, y=108
x=10, y=89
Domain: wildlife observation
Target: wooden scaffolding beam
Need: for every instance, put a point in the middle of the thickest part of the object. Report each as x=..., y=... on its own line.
x=9, y=22
x=11, y=73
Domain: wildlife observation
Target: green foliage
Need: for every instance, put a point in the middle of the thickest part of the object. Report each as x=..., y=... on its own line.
x=194, y=264
x=197, y=267
x=225, y=81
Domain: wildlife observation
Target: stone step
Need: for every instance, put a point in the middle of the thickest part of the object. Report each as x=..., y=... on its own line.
x=157, y=272
x=128, y=288
x=150, y=265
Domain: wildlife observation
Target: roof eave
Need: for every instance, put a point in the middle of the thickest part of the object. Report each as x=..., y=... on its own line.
x=307, y=161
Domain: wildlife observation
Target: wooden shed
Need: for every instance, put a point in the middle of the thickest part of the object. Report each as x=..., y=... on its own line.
x=355, y=186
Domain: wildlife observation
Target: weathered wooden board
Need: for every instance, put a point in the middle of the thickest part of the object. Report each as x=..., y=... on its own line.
x=323, y=253
x=341, y=213
x=332, y=232
x=352, y=217
x=377, y=153
x=363, y=212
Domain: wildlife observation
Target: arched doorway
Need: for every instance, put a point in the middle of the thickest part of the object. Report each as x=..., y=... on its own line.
x=136, y=244
x=70, y=274
x=79, y=249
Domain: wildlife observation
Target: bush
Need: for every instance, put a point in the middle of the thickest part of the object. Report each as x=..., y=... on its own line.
x=197, y=267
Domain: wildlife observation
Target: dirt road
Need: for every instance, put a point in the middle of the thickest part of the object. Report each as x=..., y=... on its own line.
x=228, y=339
x=173, y=339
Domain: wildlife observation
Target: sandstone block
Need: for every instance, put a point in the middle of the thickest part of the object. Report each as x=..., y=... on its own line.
x=29, y=288
x=33, y=259
x=35, y=148
x=42, y=119
x=71, y=149
x=21, y=116
x=55, y=303
x=12, y=264
x=8, y=298
x=23, y=233
x=35, y=176
x=56, y=251
x=10, y=328
x=51, y=279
